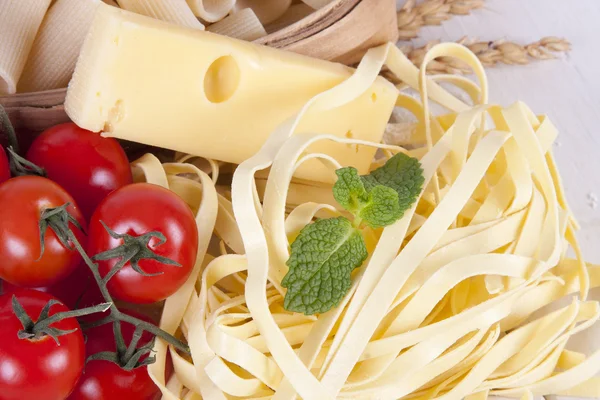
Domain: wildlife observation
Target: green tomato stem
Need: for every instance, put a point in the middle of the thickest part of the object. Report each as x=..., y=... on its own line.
x=20, y=166
x=7, y=127
x=116, y=314
x=72, y=314
x=42, y=327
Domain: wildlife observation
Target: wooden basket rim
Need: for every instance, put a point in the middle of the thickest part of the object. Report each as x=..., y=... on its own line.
x=311, y=24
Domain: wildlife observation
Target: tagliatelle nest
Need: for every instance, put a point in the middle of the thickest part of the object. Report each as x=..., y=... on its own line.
x=438, y=310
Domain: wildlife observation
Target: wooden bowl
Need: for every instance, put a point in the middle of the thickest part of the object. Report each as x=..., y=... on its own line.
x=342, y=31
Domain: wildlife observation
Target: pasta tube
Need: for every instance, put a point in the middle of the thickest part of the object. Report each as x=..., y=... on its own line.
x=19, y=24
x=56, y=47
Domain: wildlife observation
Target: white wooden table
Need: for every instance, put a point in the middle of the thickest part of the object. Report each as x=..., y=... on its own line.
x=566, y=89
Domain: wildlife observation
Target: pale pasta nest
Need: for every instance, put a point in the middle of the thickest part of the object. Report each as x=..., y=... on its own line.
x=438, y=309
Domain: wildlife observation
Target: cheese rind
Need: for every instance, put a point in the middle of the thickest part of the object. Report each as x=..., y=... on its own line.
x=146, y=81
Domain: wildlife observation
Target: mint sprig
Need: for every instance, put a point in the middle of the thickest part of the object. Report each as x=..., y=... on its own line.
x=326, y=252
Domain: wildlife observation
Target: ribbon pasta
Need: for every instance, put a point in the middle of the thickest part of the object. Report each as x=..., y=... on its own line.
x=440, y=309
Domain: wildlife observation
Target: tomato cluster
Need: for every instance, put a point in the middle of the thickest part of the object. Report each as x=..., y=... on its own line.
x=85, y=205
x=42, y=368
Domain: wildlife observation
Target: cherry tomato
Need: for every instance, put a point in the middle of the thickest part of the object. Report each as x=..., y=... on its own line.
x=86, y=164
x=4, y=166
x=78, y=290
x=135, y=210
x=22, y=201
x=33, y=369
x=106, y=380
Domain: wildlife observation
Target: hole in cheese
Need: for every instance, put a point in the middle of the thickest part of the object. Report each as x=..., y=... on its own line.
x=222, y=79
x=374, y=97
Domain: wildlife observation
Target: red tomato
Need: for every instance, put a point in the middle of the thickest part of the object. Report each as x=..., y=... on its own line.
x=106, y=380
x=33, y=369
x=78, y=290
x=4, y=167
x=138, y=209
x=86, y=164
x=22, y=201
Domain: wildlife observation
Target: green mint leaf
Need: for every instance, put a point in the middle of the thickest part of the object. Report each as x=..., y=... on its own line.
x=349, y=190
x=401, y=173
x=378, y=207
x=383, y=207
x=322, y=258
x=371, y=197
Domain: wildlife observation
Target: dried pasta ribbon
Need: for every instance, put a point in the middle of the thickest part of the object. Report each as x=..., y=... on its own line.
x=201, y=195
x=19, y=24
x=55, y=50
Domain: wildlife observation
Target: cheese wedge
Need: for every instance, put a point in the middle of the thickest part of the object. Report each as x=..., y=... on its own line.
x=146, y=81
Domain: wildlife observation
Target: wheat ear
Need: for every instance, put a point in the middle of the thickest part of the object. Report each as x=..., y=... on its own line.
x=490, y=53
x=413, y=16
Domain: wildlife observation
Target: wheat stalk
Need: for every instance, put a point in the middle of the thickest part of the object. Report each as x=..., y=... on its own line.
x=489, y=53
x=413, y=16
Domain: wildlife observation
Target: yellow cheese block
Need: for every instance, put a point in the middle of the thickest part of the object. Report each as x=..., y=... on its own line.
x=146, y=81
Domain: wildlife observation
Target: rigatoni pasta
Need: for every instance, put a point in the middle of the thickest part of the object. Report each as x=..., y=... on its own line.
x=19, y=24
x=174, y=11
x=243, y=24
x=55, y=50
x=211, y=10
